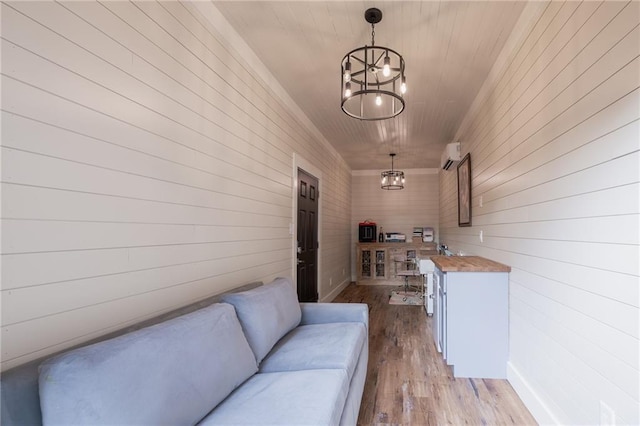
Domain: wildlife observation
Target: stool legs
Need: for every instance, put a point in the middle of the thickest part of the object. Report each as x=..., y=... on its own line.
x=406, y=284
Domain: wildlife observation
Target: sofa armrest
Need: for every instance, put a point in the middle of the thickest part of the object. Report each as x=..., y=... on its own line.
x=322, y=313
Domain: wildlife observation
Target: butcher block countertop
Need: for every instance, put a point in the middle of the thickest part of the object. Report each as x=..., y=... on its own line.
x=468, y=264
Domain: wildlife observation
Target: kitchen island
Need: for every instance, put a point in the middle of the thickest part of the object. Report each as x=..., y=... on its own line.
x=472, y=315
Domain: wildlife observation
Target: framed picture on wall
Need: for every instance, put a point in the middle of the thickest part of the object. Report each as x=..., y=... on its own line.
x=464, y=191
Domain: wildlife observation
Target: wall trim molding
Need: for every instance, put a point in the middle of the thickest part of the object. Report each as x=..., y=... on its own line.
x=408, y=172
x=299, y=162
x=527, y=20
x=536, y=406
x=234, y=42
x=336, y=291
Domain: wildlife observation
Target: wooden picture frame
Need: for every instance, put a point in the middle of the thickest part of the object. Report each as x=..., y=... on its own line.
x=464, y=191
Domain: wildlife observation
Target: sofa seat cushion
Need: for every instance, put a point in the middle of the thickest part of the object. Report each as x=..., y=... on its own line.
x=318, y=346
x=174, y=372
x=310, y=397
x=266, y=313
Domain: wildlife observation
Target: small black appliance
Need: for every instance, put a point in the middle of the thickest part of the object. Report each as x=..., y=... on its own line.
x=367, y=232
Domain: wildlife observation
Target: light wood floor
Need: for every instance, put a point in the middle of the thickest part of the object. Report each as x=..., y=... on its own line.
x=409, y=383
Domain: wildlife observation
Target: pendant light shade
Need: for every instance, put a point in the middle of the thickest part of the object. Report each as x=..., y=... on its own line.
x=373, y=80
x=392, y=179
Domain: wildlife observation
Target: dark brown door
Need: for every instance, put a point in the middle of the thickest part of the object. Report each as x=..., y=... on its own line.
x=307, y=237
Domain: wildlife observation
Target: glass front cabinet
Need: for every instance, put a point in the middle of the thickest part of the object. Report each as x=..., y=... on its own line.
x=364, y=264
x=381, y=256
x=377, y=263
x=372, y=263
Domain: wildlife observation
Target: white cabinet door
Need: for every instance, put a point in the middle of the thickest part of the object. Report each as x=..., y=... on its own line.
x=476, y=321
x=436, y=323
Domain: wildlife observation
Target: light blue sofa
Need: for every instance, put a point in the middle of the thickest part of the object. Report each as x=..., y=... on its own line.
x=259, y=357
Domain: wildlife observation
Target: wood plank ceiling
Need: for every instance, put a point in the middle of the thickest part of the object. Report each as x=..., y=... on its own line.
x=449, y=48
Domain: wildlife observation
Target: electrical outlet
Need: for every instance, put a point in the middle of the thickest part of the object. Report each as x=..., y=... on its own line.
x=607, y=415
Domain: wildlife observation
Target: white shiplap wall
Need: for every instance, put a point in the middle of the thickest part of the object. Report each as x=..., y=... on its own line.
x=145, y=165
x=554, y=143
x=397, y=210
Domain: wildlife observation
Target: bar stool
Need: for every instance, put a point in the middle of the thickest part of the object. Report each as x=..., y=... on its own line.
x=406, y=273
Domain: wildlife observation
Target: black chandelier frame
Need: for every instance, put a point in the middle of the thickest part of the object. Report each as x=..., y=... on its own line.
x=363, y=68
x=392, y=179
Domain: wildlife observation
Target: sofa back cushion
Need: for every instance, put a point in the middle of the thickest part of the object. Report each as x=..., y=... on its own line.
x=174, y=372
x=266, y=313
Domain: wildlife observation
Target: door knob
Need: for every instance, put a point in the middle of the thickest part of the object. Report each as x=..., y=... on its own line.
x=300, y=261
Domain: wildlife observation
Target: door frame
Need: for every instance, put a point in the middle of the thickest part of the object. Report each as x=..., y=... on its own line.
x=300, y=162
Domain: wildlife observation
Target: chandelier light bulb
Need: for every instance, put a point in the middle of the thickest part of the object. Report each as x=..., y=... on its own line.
x=347, y=72
x=347, y=90
x=378, y=100
x=386, y=68
x=403, y=86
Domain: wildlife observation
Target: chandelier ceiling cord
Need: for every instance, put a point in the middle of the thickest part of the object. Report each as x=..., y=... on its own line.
x=392, y=179
x=373, y=81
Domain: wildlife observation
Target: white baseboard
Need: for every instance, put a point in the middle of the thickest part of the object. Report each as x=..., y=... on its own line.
x=336, y=291
x=533, y=402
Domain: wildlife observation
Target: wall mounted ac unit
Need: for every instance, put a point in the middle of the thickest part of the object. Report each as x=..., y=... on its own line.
x=450, y=156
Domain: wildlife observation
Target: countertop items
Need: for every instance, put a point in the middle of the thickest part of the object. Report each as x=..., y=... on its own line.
x=468, y=264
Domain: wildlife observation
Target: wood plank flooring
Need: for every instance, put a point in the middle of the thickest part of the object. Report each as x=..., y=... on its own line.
x=408, y=383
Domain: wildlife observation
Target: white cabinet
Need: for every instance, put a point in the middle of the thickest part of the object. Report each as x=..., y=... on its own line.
x=472, y=322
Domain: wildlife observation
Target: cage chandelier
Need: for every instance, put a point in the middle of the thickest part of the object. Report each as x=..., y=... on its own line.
x=392, y=179
x=373, y=80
